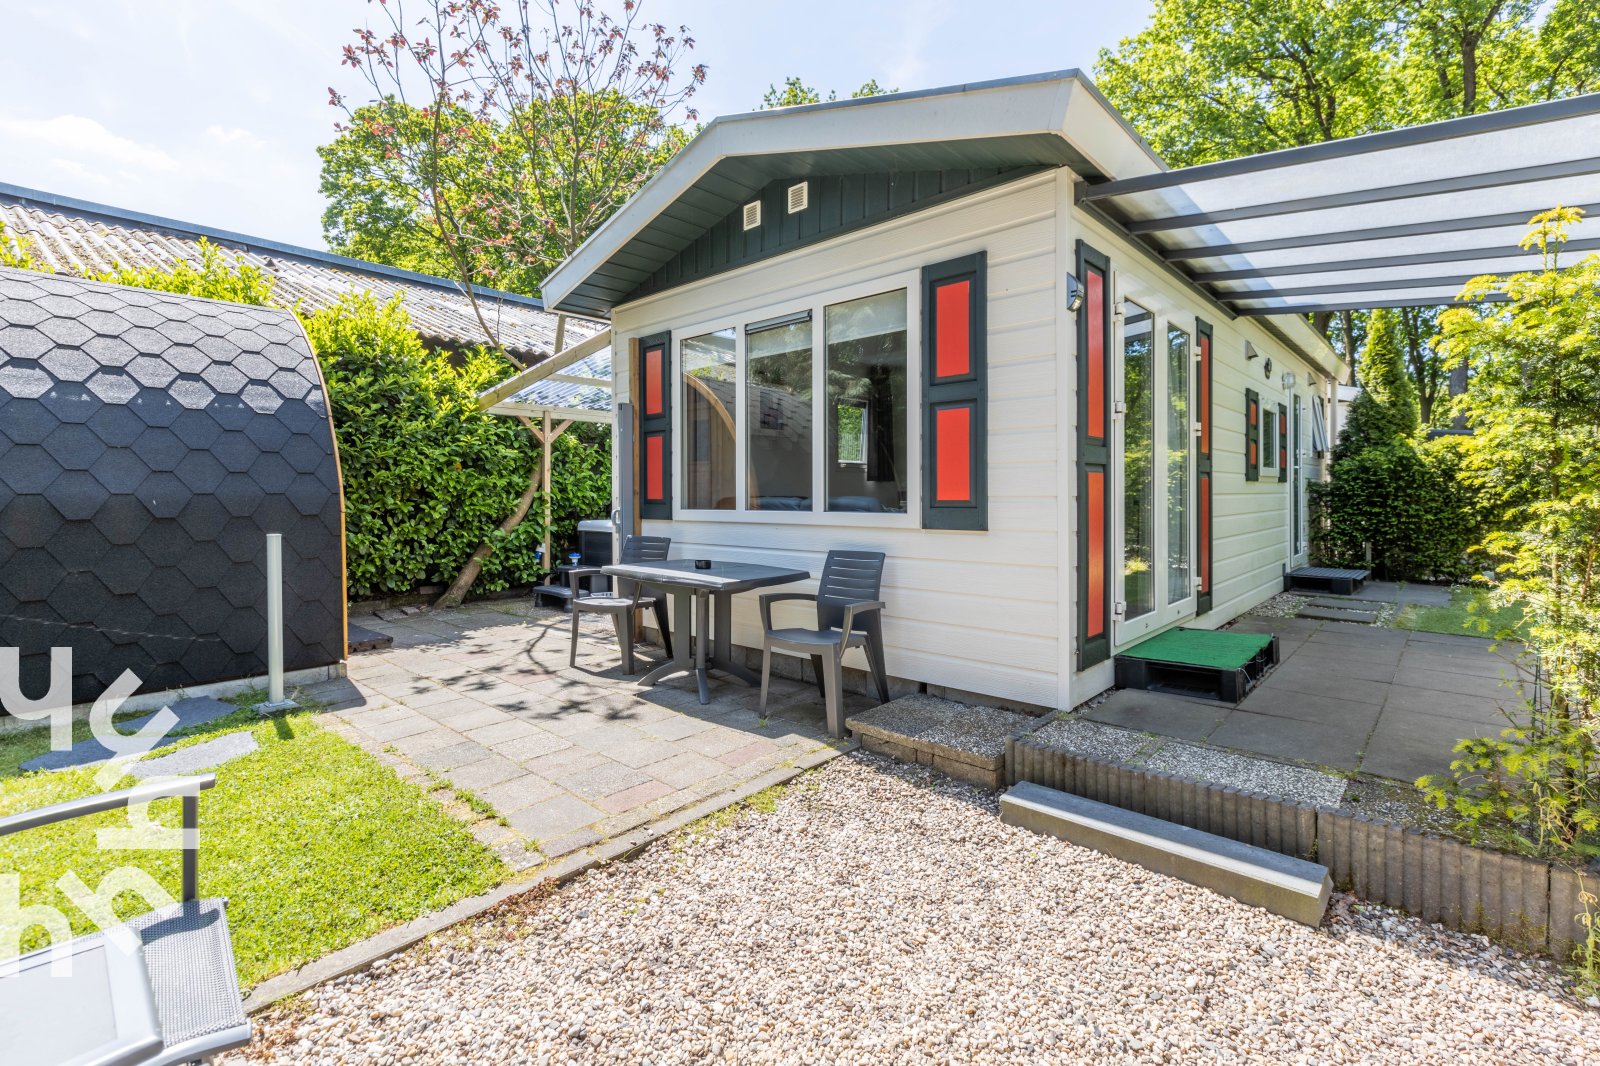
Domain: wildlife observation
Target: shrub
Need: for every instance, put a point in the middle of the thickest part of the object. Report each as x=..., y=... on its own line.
x=427, y=476
x=1405, y=503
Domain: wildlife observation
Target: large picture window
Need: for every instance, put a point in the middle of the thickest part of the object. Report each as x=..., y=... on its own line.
x=866, y=403
x=779, y=413
x=710, y=421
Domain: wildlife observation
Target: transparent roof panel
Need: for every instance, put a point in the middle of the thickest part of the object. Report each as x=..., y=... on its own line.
x=1406, y=215
x=583, y=388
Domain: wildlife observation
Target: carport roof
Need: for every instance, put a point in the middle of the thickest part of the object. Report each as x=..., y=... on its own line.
x=1400, y=218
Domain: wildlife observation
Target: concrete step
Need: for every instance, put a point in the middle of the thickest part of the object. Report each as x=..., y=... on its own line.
x=1282, y=884
x=1338, y=614
x=1347, y=603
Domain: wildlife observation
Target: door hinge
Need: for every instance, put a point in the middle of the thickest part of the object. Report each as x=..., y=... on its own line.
x=1120, y=610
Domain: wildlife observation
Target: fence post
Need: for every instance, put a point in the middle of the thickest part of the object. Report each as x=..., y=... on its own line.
x=276, y=701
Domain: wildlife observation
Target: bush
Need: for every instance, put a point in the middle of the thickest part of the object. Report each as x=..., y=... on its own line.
x=427, y=476
x=1403, y=501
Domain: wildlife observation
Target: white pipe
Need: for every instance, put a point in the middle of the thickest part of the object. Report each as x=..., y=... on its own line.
x=275, y=620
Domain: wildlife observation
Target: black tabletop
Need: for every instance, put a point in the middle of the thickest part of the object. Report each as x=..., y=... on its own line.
x=721, y=577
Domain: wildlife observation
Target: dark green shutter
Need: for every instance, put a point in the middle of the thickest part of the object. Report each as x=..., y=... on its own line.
x=1203, y=494
x=654, y=469
x=1283, y=442
x=955, y=372
x=1094, y=458
x=1252, y=435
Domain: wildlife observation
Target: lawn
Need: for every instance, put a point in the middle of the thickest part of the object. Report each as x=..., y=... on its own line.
x=314, y=843
x=1470, y=613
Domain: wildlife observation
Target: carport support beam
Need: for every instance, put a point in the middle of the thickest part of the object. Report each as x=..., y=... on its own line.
x=275, y=697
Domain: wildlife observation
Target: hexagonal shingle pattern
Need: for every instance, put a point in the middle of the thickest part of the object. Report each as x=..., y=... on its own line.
x=148, y=443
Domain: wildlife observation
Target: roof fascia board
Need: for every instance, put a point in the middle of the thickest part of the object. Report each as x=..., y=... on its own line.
x=39, y=198
x=539, y=371
x=1012, y=107
x=1430, y=133
x=556, y=414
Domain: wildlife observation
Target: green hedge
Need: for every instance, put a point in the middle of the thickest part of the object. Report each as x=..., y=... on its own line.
x=427, y=476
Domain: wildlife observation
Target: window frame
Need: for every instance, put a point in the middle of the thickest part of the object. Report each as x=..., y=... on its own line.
x=752, y=312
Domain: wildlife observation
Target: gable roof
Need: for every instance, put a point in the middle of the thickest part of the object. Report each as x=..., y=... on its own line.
x=80, y=238
x=1015, y=122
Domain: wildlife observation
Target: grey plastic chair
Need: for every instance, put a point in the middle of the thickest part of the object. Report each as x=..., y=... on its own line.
x=849, y=615
x=621, y=603
x=178, y=1000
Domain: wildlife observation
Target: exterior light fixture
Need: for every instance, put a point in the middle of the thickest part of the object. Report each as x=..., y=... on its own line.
x=1074, y=293
x=1288, y=381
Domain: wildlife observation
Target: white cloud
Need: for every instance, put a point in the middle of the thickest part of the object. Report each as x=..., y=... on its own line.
x=83, y=140
x=236, y=136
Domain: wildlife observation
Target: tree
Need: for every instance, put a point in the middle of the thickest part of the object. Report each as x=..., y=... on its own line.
x=1533, y=400
x=1464, y=56
x=1424, y=364
x=1385, y=411
x=506, y=134
x=796, y=92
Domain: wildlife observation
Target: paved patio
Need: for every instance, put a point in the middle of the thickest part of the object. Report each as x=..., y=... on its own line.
x=1387, y=702
x=482, y=697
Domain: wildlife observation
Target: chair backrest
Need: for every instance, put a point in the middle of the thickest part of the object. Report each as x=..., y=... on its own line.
x=847, y=577
x=636, y=549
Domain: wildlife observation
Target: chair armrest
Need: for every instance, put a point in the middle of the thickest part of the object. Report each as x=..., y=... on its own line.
x=106, y=801
x=578, y=573
x=770, y=598
x=853, y=609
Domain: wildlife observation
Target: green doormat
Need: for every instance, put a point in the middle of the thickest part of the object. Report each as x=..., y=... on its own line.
x=1200, y=647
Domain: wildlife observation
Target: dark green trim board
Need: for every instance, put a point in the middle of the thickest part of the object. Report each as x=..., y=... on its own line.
x=1252, y=435
x=839, y=203
x=655, y=425
x=961, y=397
x=1283, y=442
x=1094, y=458
x=1205, y=345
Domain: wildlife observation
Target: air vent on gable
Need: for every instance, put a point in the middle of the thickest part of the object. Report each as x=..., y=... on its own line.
x=799, y=196
x=752, y=214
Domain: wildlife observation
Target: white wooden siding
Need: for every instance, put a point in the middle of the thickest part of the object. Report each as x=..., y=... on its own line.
x=967, y=610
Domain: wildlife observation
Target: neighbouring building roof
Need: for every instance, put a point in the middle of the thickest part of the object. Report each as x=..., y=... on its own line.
x=80, y=238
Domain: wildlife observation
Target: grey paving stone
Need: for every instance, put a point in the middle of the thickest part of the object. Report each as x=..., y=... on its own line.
x=519, y=793
x=202, y=756
x=1369, y=665
x=491, y=735
x=464, y=718
x=1312, y=707
x=191, y=712
x=1405, y=747
x=1482, y=710
x=1456, y=660
x=1160, y=712
x=1338, y=614
x=485, y=772
x=1455, y=681
x=1337, y=745
x=597, y=782
x=686, y=769
x=432, y=740
x=445, y=759
x=550, y=822
x=533, y=746
x=1320, y=679
x=400, y=727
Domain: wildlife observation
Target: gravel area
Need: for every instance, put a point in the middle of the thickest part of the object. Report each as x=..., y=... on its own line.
x=1296, y=783
x=1283, y=605
x=964, y=727
x=881, y=913
x=1078, y=736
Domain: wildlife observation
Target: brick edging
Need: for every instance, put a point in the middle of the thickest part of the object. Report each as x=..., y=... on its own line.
x=1525, y=903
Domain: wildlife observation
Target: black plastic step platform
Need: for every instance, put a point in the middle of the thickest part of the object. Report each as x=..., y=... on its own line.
x=1325, y=579
x=1212, y=664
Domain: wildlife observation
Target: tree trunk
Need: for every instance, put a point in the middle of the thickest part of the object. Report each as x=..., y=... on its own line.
x=457, y=592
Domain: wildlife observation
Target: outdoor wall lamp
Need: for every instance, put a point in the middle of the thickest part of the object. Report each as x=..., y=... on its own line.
x=1288, y=381
x=1074, y=293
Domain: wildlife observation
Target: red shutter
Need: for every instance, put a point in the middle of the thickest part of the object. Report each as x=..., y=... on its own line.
x=954, y=381
x=655, y=427
x=1094, y=458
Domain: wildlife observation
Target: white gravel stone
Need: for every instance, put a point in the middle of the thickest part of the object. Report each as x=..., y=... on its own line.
x=884, y=914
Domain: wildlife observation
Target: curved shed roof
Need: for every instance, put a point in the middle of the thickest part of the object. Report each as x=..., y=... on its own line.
x=148, y=443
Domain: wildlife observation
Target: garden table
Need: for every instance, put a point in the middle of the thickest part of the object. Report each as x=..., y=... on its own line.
x=709, y=595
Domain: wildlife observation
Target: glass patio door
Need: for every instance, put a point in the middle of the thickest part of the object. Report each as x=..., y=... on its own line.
x=1156, y=471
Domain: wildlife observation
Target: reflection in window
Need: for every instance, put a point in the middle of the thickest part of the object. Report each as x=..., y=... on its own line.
x=1138, y=462
x=867, y=460
x=778, y=415
x=709, y=421
x=1179, y=439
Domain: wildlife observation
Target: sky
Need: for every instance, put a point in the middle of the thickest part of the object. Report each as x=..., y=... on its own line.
x=210, y=111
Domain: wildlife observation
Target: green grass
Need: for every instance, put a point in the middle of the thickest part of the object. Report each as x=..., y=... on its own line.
x=1470, y=613
x=315, y=843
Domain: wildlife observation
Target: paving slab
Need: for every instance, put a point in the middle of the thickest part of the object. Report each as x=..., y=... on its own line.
x=190, y=712
x=1160, y=712
x=1334, y=744
x=1338, y=614
x=197, y=757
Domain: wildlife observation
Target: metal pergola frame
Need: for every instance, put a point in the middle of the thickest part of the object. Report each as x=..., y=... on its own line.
x=1195, y=219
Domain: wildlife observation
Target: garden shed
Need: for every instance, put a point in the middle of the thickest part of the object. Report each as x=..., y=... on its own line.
x=148, y=443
